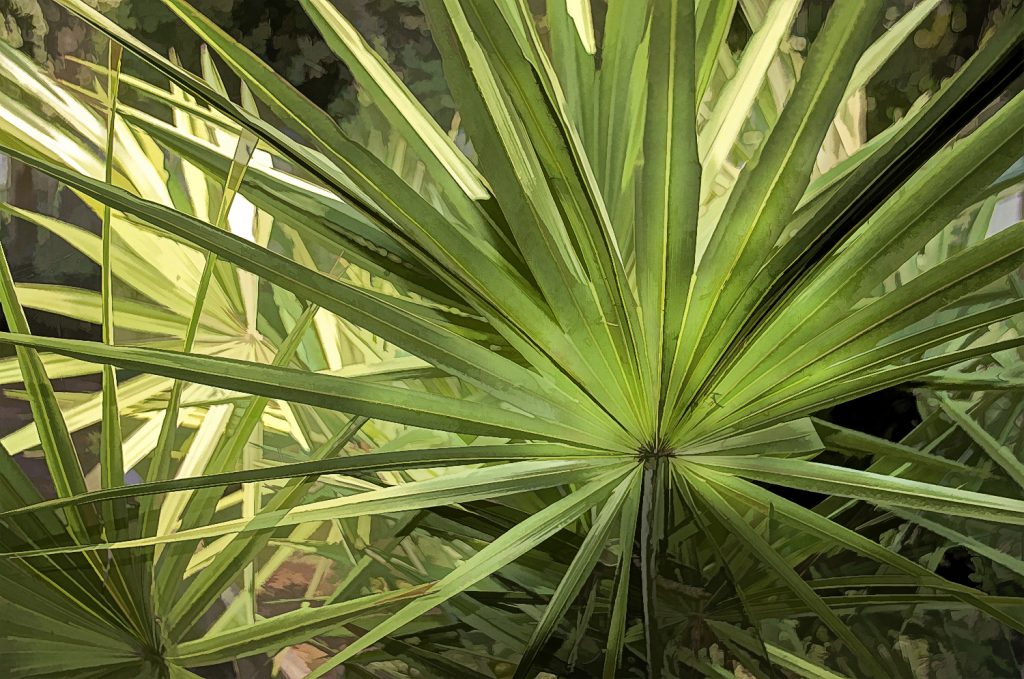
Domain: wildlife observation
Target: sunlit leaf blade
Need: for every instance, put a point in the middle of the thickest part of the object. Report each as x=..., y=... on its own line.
x=761, y=204
x=363, y=463
x=1000, y=453
x=58, y=448
x=620, y=591
x=667, y=231
x=579, y=569
x=274, y=633
x=465, y=486
x=111, y=457
x=344, y=395
x=501, y=552
x=871, y=487
x=394, y=100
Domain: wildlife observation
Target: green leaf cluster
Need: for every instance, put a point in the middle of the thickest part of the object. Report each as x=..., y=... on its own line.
x=537, y=392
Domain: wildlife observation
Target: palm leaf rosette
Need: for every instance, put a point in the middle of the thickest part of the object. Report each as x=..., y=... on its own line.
x=579, y=342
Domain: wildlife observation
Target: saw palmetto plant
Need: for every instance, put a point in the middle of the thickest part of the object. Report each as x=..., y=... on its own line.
x=541, y=395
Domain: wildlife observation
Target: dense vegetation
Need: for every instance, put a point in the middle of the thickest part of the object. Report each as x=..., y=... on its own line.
x=555, y=389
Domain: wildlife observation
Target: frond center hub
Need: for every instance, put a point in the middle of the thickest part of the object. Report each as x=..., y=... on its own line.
x=655, y=450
